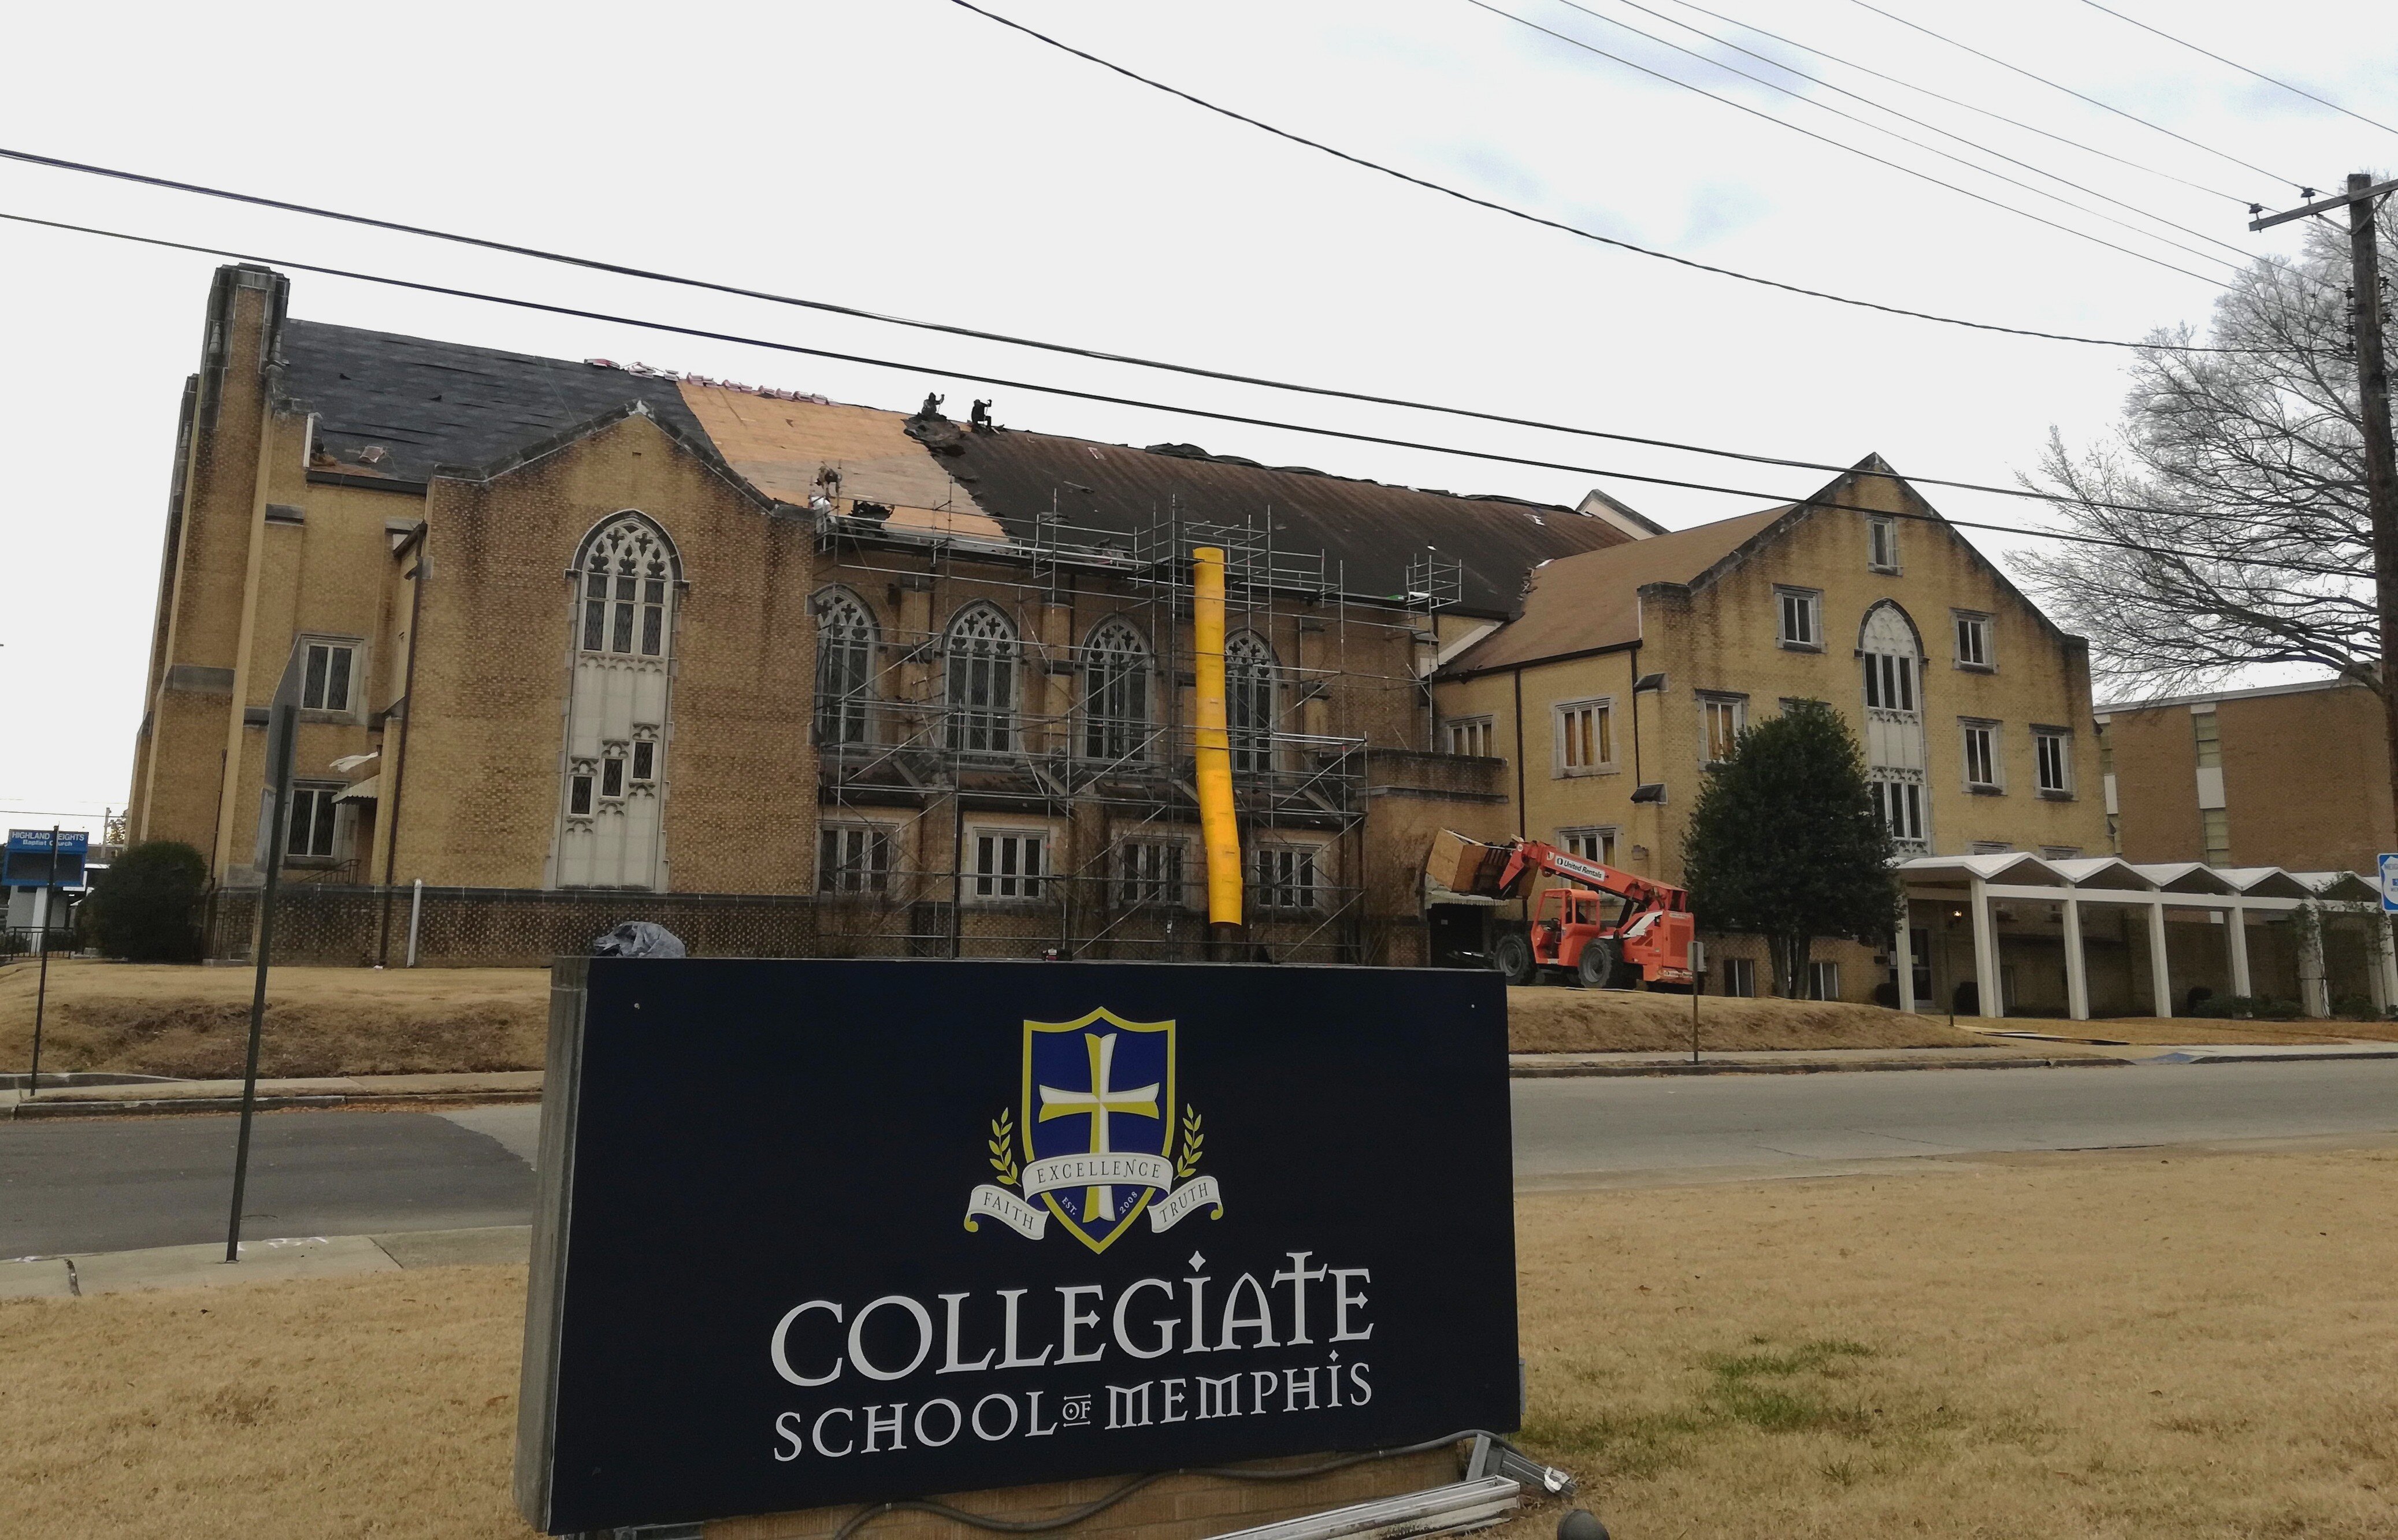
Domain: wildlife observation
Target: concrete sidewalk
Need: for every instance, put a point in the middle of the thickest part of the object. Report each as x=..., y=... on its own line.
x=154, y=1096
x=261, y=1262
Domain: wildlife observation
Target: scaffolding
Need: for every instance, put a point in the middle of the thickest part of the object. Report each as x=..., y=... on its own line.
x=915, y=755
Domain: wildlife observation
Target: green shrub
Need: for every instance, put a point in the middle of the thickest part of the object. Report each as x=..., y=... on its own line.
x=2355, y=1008
x=144, y=908
x=2278, y=1010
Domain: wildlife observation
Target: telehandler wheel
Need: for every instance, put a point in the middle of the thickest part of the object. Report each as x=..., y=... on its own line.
x=1597, y=967
x=1512, y=955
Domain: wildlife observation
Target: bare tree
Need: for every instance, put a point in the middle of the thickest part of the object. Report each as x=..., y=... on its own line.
x=2243, y=473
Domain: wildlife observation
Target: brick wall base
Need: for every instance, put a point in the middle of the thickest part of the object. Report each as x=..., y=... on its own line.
x=1177, y=1507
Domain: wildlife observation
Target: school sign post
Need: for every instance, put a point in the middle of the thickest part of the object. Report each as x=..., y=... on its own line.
x=823, y=1232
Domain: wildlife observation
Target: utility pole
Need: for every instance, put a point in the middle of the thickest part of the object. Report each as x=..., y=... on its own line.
x=2362, y=196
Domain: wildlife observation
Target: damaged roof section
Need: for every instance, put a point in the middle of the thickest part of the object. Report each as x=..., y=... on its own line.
x=391, y=409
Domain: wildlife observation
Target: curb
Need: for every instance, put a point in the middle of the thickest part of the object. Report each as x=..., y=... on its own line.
x=1555, y=1072
x=2271, y=1057
x=161, y=1107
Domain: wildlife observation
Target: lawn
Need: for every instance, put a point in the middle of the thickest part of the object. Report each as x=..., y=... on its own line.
x=1546, y=1019
x=2140, y=1345
x=149, y=1019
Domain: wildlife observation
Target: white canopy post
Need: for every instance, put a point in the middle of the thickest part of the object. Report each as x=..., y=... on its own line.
x=2160, y=966
x=1986, y=983
x=1901, y=954
x=2235, y=931
x=2314, y=990
x=2077, y=966
x=2385, y=961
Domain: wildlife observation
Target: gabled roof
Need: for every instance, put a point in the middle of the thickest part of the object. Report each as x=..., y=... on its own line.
x=430, y=404
x=1591, y=602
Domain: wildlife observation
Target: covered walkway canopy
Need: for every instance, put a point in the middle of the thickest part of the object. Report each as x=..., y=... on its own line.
x=1987, y=892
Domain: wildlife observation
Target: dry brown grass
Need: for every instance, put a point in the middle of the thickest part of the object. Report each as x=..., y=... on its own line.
x=149, y=1019
x=2132, y=1346
x=2144, y=1347
x=382, y=1405
x=1543, y=1018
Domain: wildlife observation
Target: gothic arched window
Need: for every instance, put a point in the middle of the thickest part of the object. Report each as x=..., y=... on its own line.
x=1249, y=673
x=979, y=681
x=1895, y=763
x=845, y=668
x=627, y=572
x=1115, y=693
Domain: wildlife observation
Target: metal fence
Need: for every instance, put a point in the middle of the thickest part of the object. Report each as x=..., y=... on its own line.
x=507, y=927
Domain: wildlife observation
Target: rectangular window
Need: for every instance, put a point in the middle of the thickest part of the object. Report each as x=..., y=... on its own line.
x=1989, y=846
x=325, y=684
x=1898, y=805
x=1589, y=844
x=1981, y=754
x=654, y=615
x=1287, y=877
x=578, y=794
x=311, y=821
x=1889, y=682
x=1881, y=544
x=1149, y=872
x=2054, y=748
x=1009, y=863
x=2206, y=733
x=645, y=761
x=2217, y=825
x=611, y=776
x=1721, y=717
x=1974, y=640
x=1470, y=736
x=595, y=612
x=1585, y=733
x=1822, y=981
x=1740, y=978
x=1802, y=618
x=853, y=858
x=2060, y=852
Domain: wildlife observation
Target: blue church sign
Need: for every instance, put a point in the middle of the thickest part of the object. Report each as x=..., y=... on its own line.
x=820, y=1232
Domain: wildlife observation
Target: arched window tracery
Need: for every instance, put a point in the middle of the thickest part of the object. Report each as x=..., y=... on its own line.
x=1250, y=673
x=1116, y=674
x=845, y=638
x=979, y=681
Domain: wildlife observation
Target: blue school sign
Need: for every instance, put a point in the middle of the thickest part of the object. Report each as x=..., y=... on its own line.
x=829, y=1232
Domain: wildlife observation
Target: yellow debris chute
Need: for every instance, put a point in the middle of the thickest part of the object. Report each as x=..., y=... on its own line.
x=1215, y=746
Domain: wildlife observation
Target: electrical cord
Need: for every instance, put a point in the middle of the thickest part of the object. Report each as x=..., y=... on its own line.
x=982, y=378
x=2295, y=90
x=1560, y=225
x=1840, y=144
x=1101, y=1505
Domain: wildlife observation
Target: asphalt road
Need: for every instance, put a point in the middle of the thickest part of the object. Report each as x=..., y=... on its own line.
x=120, y=1183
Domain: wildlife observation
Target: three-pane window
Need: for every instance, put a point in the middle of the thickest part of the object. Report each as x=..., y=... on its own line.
x=853, y=858
x=1589, y=844
x=1287, y=877
x=1470, y=736
x=1889, y=682
x=844, y=668
x=624, y=592
x=1150, y=871
x=1115, y=693
x=1009, y=863
x=1899, y=806
x=324, y=683
x=1585, y=737
x=980, y=682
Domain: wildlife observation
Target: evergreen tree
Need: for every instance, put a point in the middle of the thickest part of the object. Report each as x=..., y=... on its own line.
x=1783, y=842
x=144, y=907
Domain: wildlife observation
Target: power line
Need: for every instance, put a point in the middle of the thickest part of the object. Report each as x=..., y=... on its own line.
x=1879, y=160
x=1328, y=391
x=2242, y=253
x=1559, y=226
x=981, y=378
x=2071, y=92
x=2295, y=90
x=1967, y=106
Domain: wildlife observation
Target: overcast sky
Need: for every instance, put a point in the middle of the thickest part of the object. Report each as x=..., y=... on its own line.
x=909, y=156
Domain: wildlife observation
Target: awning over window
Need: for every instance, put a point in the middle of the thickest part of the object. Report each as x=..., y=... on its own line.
x=363, y=791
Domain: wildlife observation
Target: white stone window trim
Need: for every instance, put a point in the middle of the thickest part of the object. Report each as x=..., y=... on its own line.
x=1798, y=618
x=1137, y=883
x=2055, y=781
x=1562, y=715
x=353, y=675
x=1973, y=636
x=1713, y=702
x=1992, y=753
x=1881, y=543
x=873, y=882
x=1290, y=876
x=1597, y=842
x=992, y=867
x=1478, y=734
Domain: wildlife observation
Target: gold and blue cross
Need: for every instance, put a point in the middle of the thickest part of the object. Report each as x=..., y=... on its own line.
x=1097, y=1085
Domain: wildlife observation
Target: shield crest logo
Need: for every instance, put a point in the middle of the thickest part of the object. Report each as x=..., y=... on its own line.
x=1100, y=1086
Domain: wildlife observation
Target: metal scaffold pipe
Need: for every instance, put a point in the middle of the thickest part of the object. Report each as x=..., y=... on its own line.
x=1214, y=745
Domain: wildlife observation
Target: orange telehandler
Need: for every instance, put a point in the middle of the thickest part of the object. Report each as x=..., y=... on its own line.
x=1604, y=929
